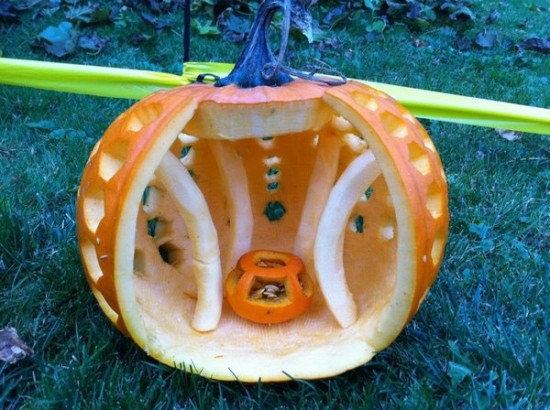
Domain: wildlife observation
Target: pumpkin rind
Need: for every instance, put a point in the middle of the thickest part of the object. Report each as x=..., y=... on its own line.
x=407, y=217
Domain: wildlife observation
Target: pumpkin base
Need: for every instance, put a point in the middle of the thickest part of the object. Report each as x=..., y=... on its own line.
x=248, y=352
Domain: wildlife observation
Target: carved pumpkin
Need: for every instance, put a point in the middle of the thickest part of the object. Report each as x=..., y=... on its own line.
x=187, y=181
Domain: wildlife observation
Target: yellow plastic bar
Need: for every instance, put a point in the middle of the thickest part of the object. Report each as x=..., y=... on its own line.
x=136, y=84
x=469, y=110
x=84, y=79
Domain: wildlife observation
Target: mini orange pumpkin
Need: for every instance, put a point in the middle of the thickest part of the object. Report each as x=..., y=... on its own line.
x=188, y=180
x=269, y=287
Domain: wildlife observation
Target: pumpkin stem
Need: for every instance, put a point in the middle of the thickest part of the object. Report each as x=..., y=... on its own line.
x=257, y=65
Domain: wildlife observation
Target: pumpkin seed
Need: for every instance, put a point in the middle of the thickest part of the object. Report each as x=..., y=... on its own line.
x=270, y=291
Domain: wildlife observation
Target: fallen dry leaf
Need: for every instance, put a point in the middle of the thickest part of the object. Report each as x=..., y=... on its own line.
x=12, y=348
x=509, y=135
x=541, y=45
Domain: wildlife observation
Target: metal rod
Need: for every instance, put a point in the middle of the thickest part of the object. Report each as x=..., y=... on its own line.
x=186, y=29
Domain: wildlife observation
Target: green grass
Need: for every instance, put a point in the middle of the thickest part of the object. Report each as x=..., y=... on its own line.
x=479, y=341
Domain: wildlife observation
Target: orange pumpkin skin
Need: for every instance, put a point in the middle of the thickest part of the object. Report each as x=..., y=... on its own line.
x=387, y=264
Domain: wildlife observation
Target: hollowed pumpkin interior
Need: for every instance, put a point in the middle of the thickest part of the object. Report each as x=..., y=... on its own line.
x=268, y=190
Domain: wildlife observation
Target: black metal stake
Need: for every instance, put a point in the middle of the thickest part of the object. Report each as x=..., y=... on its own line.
x=186, y=29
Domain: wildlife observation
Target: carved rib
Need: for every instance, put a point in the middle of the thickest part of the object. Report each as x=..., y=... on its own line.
x=234, y=179
x=193, y=208
x=329, y=243
x=320, y=184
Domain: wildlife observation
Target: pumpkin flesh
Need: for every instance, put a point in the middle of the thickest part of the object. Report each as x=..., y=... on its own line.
x=265, y=161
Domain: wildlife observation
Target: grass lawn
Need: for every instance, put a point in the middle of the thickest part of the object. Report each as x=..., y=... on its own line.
x=480, y=339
